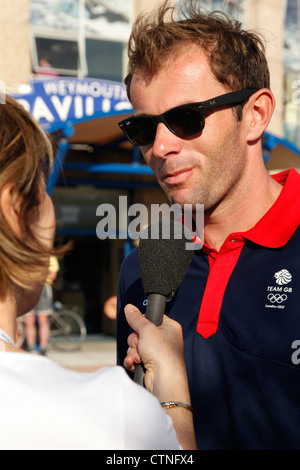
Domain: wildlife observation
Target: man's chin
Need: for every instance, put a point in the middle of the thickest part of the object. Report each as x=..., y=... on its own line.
x=180, y=197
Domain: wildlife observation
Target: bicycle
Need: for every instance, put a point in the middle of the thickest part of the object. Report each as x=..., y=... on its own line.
x=67, y=329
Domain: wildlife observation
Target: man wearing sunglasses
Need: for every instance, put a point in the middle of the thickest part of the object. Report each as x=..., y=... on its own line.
x=200, y=90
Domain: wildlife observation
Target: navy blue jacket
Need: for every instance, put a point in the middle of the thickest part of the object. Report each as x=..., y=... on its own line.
x=240, y=313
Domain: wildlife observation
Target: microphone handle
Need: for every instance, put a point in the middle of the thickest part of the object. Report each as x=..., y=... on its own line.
x=154, y=313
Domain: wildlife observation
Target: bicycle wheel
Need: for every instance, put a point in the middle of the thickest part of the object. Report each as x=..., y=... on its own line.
x=68, y=331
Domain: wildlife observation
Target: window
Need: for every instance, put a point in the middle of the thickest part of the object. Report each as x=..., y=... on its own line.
x=104, y=59
x=84, y=38
x=56, y=56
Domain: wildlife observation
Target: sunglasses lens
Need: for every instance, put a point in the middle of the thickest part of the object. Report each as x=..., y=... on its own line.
x=141, y=131
x=185, y=121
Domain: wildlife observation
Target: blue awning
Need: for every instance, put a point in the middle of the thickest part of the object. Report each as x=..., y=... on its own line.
x=61, y=102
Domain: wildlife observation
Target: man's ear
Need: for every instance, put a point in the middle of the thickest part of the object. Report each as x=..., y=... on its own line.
x=259, y=110
x=9, y=206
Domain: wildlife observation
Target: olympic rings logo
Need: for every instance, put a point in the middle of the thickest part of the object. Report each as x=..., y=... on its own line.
x=277, y=298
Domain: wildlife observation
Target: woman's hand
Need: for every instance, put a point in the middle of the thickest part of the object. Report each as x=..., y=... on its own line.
x=160, y=348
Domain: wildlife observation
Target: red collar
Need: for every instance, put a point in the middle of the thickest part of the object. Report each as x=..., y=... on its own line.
x=281, y=221
x=277, y=226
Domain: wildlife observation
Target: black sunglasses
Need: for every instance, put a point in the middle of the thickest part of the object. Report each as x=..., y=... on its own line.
x=184, y=121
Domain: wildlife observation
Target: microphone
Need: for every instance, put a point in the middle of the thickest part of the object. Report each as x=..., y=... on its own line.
x=164, y=261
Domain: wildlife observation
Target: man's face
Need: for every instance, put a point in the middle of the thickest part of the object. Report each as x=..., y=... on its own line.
x=203, y=169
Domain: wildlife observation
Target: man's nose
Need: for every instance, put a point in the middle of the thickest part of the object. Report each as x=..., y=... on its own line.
x=165, y=142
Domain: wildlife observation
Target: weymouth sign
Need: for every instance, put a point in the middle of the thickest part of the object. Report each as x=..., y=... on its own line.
x=56, y=101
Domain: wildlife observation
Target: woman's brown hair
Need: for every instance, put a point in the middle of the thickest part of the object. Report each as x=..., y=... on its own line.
x=25, y=152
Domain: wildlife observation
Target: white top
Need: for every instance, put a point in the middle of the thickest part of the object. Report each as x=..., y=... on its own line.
x=43, y=406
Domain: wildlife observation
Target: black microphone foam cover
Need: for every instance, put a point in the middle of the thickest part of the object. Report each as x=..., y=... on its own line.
x=163, y=257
